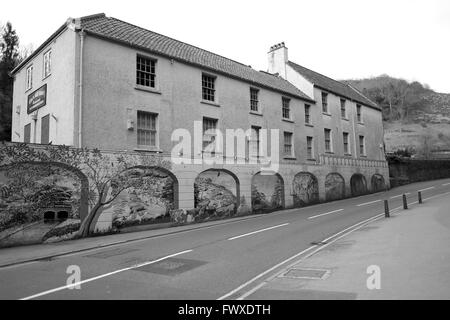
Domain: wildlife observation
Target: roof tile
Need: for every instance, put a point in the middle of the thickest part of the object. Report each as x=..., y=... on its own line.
x=124, y=32
x=333, y=86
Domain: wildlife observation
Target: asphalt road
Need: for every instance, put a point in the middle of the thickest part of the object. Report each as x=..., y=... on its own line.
x=219, y=262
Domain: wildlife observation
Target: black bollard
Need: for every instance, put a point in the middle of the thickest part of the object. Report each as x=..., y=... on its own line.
x=386, y=209
x=420, y=197
x=405, y=203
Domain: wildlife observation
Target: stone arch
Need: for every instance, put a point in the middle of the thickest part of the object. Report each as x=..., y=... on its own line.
x=377, y=183
x=334, y=187
x=216, y=194
x=267, y=192
x=305, y=187
x=148, y=202
x=358, y=185
x=169, y=173
x=84, y=182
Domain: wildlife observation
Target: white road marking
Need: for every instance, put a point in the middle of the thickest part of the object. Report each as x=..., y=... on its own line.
x=258, y=231
x=401, y=195
x=103, y=276
x=367, y=203
x=291, y=258
x=351, y=228
x=425, y=189
x=446, y=184
x=325, y=214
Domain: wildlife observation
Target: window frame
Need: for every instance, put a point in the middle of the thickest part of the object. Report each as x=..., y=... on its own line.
x=347, y=146
x=308, y=114
x=154, y=130
x=359, y=113
x=362, y=152
x=49, y=54
x=329, y=141
x=152, y=65
x=251, y=141
x=213, y=89
x=216, y=122
x=343, y=108
x=310, y=148
x=291, y=144
x=286, y=105
x=29, y=78
x=254, y=92
x=324, y=97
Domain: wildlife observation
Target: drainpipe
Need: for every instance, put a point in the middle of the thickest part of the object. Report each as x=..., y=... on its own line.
x=80, y=88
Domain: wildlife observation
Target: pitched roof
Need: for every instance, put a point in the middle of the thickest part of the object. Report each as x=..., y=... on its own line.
x=333, y=86
x=131, y=35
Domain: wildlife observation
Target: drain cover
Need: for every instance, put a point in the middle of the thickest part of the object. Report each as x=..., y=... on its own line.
x=171, y=266
x=111, y=253
x=313, y=274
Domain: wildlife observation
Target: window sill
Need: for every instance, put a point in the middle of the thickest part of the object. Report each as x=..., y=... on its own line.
x=363, y=156
x=361, y=123
x=47, y=76
x=289, y=158
x=309, y=125
x=28, y=90
x=148, y=149
x=347, y=155
x=345, y=119
x=147, y=89
x=310, y=159
x=256, y=113
x=211, y=103
x=288, y=120
x=326, y=114
x=329, y=152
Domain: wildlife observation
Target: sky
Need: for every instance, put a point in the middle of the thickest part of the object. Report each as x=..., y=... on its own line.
x=345, y=39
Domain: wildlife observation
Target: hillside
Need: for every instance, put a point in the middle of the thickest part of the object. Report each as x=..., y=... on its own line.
x=415, y=116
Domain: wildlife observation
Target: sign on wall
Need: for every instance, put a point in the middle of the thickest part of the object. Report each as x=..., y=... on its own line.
x=37, y=99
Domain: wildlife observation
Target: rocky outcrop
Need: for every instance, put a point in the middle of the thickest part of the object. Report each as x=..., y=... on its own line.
x=212, y=200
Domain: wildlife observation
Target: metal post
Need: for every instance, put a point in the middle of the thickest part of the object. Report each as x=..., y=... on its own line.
x=405, y=203
x=386, y=209
x=420, y=197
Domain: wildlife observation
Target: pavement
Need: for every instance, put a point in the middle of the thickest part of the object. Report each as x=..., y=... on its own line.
x=409, y=251
x=243, y=258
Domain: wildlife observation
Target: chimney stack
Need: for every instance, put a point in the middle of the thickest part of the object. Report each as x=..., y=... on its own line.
x=278, y=57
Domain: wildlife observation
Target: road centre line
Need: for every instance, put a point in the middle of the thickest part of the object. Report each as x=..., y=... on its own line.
x=76, y=284
x=325, y=214
x=401, y=195
x=367, y=203
x=257, y=231
x=425, y=189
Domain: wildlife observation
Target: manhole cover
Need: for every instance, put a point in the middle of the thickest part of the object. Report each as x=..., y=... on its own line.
x=171, y=266
x=111, y=253
x=313, y=274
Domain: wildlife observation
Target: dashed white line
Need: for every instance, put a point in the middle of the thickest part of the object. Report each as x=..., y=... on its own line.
x=325, y=214
x=425, y=189
x=367, y=203
x=258, y=231
x=401, y=195
x=446, y=184
x=103, y=276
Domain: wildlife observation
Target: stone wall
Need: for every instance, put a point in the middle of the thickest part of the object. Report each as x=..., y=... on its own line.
x=404, y=171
